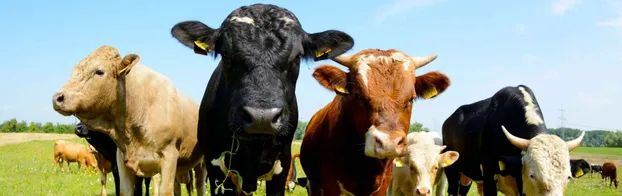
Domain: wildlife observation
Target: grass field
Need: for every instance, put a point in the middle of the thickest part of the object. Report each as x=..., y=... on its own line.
x=26, y=169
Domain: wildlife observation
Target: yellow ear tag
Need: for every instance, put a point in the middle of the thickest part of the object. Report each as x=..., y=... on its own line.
x=446, y=163
x=579, y=173
x=501, y=166
x=430, y=93
x=399, y=163
x=122, y=70
x=341, y=90
x=320, y=53
x=202, y=45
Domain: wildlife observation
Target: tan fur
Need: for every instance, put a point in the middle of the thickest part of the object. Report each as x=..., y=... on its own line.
x=73, y=152
x=151, y=121
x=104, y=166
x=422, y=166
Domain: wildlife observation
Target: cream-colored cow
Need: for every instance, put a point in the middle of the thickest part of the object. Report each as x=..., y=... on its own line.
x=153, y=124
x=422, y=167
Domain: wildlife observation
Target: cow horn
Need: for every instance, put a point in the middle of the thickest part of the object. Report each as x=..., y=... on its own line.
x=344, y=59
x=422, y=61
x=572, y=144
x=516, y=141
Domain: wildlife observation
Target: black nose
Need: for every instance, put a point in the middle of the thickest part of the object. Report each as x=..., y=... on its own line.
x=264, y=121
x=59, y=97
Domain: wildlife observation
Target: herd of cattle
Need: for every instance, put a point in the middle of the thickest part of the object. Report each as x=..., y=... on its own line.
x=140, y=126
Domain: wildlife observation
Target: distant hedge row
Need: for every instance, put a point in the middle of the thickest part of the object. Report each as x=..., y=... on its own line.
x=593, y=138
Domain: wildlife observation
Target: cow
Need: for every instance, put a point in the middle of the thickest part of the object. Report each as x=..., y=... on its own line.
x=250, y=101
x=579, y=167
x=73, y=152
x=105, y=153
x=350, y=143
x=597, y=169
x=292, y=174
x=152, y=122
x=422, y=168
x=537, y=160
x=506, y=184
x=610, y=172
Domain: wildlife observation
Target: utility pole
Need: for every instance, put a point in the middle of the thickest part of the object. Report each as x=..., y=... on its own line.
x=561, y=120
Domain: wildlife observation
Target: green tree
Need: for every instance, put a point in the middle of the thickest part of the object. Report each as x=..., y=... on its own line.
x=48, y=127
x=417, y=127
x=613, y=139
x=300, y=130
x=34, y=127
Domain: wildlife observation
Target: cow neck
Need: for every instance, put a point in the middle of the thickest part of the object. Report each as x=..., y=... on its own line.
x=129, y=103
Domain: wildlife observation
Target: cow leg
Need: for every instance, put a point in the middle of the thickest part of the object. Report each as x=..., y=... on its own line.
x=490, y=185
x=276, y=186
x=157, y=179
x=168, y=171
x=103, y=182
x=115, y=175
x=147, y=182
x=453, y=179
x=200, y=174
x=177, y=188
x=138, y=186
x=126, y=177
x=465, y=185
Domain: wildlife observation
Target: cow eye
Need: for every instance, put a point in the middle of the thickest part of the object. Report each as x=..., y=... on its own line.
x=408, y=103
x=531, y=176
x=99, y=72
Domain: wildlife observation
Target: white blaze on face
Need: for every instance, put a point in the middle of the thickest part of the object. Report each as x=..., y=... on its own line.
x=243, y=19
x=531, y=114
x=362, y=66
x=546, y=169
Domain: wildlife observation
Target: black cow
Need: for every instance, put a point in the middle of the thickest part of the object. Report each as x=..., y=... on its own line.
x=250, y=97
x=597, y=169
x=478, y=132
x=106, y=146
x=579, y=167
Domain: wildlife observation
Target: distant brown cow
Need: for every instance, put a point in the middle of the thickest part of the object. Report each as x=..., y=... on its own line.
x=72, y=152
x=349, y=145
x=609, y=172
x=104, y=166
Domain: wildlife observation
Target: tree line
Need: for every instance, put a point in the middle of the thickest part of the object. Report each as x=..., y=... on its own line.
x=593, y=138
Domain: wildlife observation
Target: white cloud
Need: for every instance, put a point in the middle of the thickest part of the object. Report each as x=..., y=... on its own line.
x=401, y=6
x=616, y=22
x=560, y=7
x=521, y=28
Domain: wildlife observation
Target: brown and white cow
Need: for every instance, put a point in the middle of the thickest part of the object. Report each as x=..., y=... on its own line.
x=422, y=168
x=153, y=123
x=73, y=152
x=349, y=144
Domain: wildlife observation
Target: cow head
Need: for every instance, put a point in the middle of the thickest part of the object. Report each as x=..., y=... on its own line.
x=92, y=86
x=261, y=48
x=546, y=169
x=381, y=85
x=82, y=131
x=421, y=163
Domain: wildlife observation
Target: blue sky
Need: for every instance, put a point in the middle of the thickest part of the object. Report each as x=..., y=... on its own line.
x=567, y=51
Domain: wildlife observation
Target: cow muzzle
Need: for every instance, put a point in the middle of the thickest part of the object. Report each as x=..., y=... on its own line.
x=423, y=191
x=262, y=121
x=60, y=103
x=379, y=144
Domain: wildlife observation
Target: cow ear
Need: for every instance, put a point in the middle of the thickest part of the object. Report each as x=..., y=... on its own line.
x=195, y=35
x=431, y=84
x=448, y=158
x=327, y=45
x=127, y=63
x=332, y=78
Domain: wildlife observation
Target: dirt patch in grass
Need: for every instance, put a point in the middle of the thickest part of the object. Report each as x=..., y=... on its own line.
x=15, y=138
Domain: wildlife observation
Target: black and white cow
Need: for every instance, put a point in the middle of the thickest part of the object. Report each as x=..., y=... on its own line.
x=597, y=169
x=579, y=167
x=525, y=150
x=251, y=94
